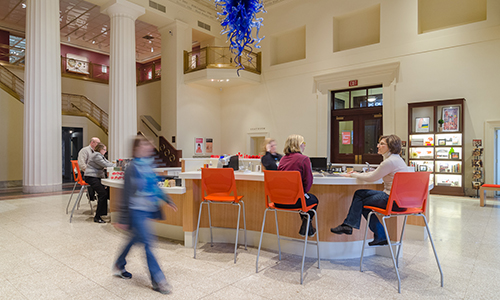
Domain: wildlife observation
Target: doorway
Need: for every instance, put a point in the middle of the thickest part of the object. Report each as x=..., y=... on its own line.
x=72, y=142
x=356, y=125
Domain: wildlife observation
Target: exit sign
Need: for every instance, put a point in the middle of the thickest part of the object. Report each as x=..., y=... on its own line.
x=353, y=82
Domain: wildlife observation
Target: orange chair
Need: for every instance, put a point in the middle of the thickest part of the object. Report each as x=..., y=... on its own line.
x=285, y=187
x=409, y=190
x=217, y=185
x=77, y=176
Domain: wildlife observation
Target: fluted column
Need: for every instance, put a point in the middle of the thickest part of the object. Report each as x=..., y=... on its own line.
x=122, y=78
x=42, y=158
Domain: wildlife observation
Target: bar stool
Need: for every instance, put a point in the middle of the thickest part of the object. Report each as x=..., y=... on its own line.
x=77, y=177
x=285, y=187
x=409, y=190
x=217, y=185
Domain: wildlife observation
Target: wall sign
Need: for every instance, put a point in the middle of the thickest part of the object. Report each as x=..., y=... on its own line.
x=353, y=82
x=346, y=137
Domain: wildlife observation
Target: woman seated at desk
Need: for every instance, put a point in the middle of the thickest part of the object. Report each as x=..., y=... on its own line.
x=389, y=147
x=271, y=159
x=294, y=160
x=93, y=175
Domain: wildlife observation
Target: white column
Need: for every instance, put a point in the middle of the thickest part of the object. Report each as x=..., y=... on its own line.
x=42, y=157
x=175, y=38
x=122, y=78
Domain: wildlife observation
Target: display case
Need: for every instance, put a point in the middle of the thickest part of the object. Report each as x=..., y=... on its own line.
x=435, y=136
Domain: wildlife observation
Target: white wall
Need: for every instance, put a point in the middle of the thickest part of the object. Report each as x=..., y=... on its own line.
x=198, y=115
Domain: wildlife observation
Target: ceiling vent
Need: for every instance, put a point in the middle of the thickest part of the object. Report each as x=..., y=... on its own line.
x=203, y=25
x=148, y=37
x=157, y=6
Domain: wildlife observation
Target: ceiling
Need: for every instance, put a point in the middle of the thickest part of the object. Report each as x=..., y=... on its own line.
x=83, y=25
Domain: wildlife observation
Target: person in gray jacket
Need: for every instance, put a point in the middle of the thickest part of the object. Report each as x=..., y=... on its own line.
x=93, y=175
x=142, y=200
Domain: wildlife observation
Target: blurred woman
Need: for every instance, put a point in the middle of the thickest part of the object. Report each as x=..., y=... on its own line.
x=294, y=160
x=93, y=175
x=389, y=147
x=142, y=200
x=271, y=159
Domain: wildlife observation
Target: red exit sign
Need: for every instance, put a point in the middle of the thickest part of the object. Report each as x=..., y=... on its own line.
x=353, y=82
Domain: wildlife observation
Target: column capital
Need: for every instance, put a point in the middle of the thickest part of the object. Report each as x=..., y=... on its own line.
x=122, y=7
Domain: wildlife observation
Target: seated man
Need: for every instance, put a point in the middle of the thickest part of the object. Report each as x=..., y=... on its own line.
x=83, y=160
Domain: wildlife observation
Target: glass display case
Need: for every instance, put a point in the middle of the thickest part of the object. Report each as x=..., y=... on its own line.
x=435, y=135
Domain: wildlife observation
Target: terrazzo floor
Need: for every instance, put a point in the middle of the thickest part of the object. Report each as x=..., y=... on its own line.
x=43, y=256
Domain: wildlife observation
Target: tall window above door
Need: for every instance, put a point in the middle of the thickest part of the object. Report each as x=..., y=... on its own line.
x=358, y=98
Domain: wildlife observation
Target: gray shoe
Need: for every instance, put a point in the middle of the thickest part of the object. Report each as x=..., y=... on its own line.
x=163, y=287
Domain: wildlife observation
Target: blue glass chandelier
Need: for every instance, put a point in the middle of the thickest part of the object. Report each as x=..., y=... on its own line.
x=238, y=21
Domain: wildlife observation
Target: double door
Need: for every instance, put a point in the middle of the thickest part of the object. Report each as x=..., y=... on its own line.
x=355, y=135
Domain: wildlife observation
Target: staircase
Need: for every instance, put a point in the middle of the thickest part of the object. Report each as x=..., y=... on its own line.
x=72, y=105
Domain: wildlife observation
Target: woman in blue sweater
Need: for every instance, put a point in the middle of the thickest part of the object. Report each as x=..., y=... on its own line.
x=141, y=201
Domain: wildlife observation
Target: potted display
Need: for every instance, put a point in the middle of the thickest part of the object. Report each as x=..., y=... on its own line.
x=440, y=122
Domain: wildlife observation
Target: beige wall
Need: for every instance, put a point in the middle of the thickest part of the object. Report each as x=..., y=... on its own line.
x=11, y=135
x=149, y=103
x=96, y=92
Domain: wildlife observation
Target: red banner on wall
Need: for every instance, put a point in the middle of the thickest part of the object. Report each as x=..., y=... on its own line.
x=346, y=137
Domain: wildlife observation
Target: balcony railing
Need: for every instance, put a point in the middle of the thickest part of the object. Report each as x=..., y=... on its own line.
x=220, y=58
x=84, y=69
x=149, y=72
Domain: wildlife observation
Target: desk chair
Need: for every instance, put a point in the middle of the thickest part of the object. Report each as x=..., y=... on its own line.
x=409, y=190
x=77, y=176
x=285, y=187
x=217, y=185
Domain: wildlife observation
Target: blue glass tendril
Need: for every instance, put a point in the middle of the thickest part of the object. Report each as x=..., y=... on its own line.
x=238, y=20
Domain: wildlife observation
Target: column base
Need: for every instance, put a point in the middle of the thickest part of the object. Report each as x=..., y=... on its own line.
x=35, y=189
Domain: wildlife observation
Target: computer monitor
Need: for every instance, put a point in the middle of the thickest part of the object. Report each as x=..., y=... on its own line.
x=318, y=163
x=234, y=162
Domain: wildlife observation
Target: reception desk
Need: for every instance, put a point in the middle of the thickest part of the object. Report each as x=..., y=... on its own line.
x=334, y=194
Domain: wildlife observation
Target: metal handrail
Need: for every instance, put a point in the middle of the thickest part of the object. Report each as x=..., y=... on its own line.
x=220, y=58
x=14, y=84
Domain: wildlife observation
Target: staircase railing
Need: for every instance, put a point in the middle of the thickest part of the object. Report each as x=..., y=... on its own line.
x=11, y=83
x=79, y=105
x=168, y=153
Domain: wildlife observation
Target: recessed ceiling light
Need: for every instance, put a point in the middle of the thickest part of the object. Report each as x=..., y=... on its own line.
x=152, y=50
x=23, y=5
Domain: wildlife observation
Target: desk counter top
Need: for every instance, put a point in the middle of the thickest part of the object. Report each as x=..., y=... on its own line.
x=118, y=183
x=259, y=176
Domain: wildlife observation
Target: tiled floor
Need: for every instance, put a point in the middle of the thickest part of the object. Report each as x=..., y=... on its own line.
x=43, y=256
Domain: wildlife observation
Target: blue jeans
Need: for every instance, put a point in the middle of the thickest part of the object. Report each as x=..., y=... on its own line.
x=371, y=198
x=142, y=233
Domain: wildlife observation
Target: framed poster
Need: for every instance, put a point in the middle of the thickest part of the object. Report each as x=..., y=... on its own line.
x=477, y=143
x=77, y=64
x=450, y=118
x=422, y=124
x=209, y=145
x=198, y=146
x=441, y=142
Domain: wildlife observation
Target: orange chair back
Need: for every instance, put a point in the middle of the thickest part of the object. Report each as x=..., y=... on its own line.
x=409, y=190
x=218, y=184
x=77, y=176
x=284, y=187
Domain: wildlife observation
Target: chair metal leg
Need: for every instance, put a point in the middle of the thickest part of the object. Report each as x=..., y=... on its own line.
x=76, y=202
x=277, y=234
x=401, y=241
x=90, y=202
x=69, y=201
x=210, y=225
x=305, y=248
x=244, y=223
x=433, y=248
x=237, y=232
x=364, y=241
x=260, y=241
x=197, y=229
x=317, y=237
x=389, y=244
